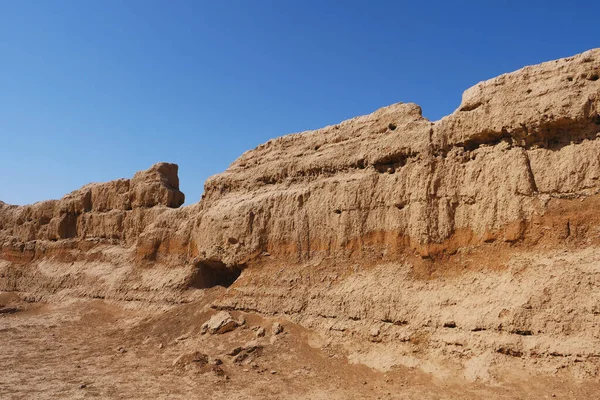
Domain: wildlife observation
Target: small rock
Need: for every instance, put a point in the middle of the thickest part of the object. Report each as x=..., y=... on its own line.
x=221, y=322
x=241, y=320
x=178, y=360
x=234, y=352
x=160, y=346
x=260, y=332
x=252, y=347
x=181, y=338
x=82, y=386
x=246, y=370
x=247, y=353
x=273, y=372
x=196, y=357
x=374, y=331
x=277, y=328
x=122, y=350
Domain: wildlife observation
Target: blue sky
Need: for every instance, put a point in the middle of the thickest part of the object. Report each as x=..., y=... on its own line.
x=96, y=90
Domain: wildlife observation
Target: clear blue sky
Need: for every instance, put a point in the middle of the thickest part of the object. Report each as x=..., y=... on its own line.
x=97, y=90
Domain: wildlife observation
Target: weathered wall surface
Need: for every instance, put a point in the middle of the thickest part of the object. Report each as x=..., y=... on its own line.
x=473, y=236
x=84, y=244
x=392, y=178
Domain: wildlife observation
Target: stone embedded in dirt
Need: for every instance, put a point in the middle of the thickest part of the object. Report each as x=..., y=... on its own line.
x=248, y=353
x=195, y=357
x=8, y=310
x=219, y=323
x=260, y=332
x=241, y=320
x=198, y=361
x=234, y=352
x=277, y=328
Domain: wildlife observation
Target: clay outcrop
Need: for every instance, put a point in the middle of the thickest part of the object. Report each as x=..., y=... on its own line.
x=95, y=210
x=393, y=180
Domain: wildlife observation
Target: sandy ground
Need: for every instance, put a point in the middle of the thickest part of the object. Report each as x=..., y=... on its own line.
x=79, y=349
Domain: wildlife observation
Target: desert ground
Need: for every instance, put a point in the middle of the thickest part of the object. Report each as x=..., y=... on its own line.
x=83, y=349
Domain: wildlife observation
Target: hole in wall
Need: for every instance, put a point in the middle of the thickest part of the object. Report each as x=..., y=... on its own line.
x=208, y=274
x=360, y=164
x=400, y=205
